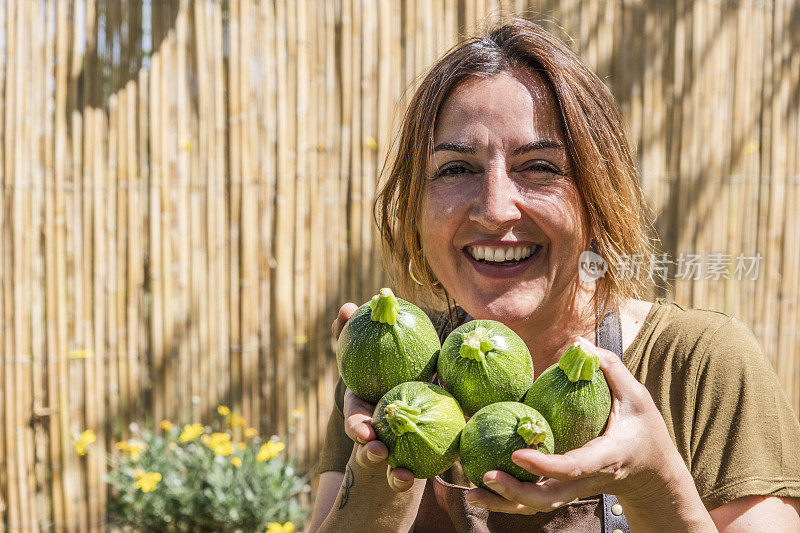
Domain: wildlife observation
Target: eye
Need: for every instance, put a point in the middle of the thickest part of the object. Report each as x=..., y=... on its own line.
x=542, y=166
x=452, y=170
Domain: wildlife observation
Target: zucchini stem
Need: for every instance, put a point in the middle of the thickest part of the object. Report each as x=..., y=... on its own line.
x=476, y=344
x=578, y=364
x=402, y=418
x=532, y=431
x=384, y=307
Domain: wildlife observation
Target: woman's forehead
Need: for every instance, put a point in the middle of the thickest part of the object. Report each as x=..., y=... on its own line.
x=518, y=103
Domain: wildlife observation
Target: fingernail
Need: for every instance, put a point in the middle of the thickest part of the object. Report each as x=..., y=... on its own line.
x=398, y=484
x=584, y=339
x=360, y=440
x=372, y=457
x=519, y=462
x=523, y=459
x=494, y=485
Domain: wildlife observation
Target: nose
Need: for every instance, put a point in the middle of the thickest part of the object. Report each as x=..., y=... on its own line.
x=498, y=202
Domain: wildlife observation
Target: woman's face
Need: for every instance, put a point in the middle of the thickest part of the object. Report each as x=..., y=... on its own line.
x=502, y=223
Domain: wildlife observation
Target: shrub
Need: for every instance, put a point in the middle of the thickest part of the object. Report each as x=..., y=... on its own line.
x=191, y=478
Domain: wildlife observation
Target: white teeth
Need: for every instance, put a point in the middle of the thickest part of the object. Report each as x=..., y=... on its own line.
x=499, y=255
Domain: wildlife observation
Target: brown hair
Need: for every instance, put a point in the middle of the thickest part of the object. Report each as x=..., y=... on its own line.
x=601, y=161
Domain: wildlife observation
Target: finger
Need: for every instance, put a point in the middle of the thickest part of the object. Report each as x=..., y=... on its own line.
x=546, y=496
x=358, y=418
x=345, y=312
x=371, y=454
x=400, y=479
x=491, y=501
x=593, y=458
x=359, y=428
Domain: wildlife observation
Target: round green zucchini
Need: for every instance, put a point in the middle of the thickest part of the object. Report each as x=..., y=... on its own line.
x=574, y=398
x=483, y=362
x=495, y=432
x=420, y=424
x=386, y=342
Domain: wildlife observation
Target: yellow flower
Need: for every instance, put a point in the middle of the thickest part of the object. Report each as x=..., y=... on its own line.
x=218, y=438
x=190, y=432
x=269, y=450
x=220, y=443
x=249, y=433
x=236, y=462
x=135, y=448
x=83, y=442
x=139, y=473
x=205, y=439
x=148, y=482
x=223, y=410
x=236, y=421
x=371, y=143
x=132, y=447
x=241, y=445
x=275, y=527
x=166, y=425
x=224, y=448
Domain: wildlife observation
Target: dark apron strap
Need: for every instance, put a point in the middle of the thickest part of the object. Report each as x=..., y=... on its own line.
x=609, y=336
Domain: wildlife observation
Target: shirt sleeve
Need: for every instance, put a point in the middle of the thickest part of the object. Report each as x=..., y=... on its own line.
x=745, y=437
x=337, y=446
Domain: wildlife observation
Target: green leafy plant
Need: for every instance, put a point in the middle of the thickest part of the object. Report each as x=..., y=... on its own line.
x=196, y=479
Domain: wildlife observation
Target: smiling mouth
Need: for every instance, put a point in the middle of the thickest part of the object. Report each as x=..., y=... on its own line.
x=502, y=255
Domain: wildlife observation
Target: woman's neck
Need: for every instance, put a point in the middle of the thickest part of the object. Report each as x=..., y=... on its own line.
x=549, y=333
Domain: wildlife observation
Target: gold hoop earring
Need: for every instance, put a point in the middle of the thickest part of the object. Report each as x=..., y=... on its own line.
x=411, y=273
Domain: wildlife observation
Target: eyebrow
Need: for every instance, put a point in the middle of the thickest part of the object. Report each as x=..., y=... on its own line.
x=468, y=149
x=537, y=145
x=455, y=147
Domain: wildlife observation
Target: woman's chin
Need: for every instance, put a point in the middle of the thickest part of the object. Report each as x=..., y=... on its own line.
x=507, y=311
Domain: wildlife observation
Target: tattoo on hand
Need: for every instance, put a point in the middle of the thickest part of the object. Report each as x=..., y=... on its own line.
x=349, y=481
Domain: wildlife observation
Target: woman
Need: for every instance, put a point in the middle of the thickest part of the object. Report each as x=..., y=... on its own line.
x=512, y=161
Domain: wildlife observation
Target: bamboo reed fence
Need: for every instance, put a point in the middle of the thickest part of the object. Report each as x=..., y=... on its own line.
x=187, y=191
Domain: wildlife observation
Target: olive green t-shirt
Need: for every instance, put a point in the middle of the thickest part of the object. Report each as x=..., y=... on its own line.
x=720, y=398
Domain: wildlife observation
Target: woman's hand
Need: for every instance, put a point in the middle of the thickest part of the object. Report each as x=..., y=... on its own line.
x=370, y=453
x=634, y=459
